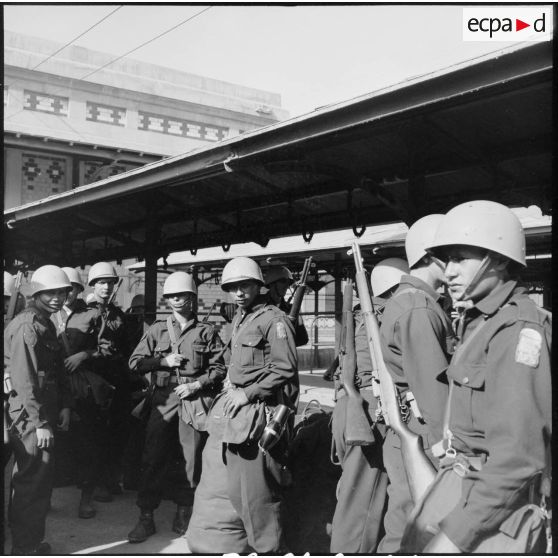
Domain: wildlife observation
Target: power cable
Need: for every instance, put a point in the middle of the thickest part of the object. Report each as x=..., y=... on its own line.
x=146, y=42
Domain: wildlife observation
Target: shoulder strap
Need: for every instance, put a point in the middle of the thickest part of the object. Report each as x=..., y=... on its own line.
x=172, y=335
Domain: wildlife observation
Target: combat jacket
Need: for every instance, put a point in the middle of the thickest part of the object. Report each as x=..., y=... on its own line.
x=198, y=342
x=501, y=408
x=81, y=325
x=113, y=338
x=417, y=340
x=32, y=351
x=263, y=353
x=301, y=335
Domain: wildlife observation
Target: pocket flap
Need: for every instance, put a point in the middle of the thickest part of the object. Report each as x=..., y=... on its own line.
x=472, y=376
x=252, y=340
x=162, y=346
x=200, y=347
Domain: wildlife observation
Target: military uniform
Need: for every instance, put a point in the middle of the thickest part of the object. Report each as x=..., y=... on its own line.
x=201, y=346
x=112, y=366
x=417, y=340
x=33, y=357
x=93, y=394
x=501, y=410
x=362, y=489
x=263, y=363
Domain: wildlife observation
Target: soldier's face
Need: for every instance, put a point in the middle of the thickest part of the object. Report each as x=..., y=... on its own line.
x=51, y=301
x=244, y=292
x=103, y=288
x=280, y=287
x=182, y=303
x=463, y=263
x=73, y=294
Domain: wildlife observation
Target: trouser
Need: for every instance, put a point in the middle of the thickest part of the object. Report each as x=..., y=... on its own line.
x=164, y=432
x=400, y=502
x=90, y=439
x=362, y=488
x=32, y=482
x=255, y=493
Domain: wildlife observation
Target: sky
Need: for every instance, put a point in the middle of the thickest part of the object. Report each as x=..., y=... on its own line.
x=311, y=55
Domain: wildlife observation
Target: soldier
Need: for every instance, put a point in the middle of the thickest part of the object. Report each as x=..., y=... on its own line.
x=9, y=281
x=278, y=279
x=416, y=344
x=112, y=366
x=185, y=359
x=500, y=418
x=78, y=328
x=242, y=484
x=33, y=357
x=361, y=493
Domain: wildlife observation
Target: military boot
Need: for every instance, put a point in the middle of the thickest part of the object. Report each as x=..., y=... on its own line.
x=144, y=528
x=86, y=510
x=181, y=519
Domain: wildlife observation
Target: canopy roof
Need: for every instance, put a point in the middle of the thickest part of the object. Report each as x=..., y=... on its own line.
x=480, y=130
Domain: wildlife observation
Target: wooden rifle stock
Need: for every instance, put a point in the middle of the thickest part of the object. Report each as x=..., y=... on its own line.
x=299, y=291
x=420, y=471
x=357, y=426
x=113, y=295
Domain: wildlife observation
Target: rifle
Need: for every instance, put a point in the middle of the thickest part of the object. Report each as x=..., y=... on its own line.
x=13, y=298
x=357, y=426
x=8, y=387
x=299, y=291
x=206, y=319
x=113, y=295
x=420, y=471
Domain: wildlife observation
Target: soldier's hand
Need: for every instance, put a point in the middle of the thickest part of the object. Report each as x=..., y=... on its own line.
x=64, y=419
x=173, y=360
x=73, y=362
x=186, y=390
x=441, y=544
x=234, y=400
x=45, y=437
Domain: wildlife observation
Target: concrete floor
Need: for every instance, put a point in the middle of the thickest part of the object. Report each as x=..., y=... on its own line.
x=106, y=532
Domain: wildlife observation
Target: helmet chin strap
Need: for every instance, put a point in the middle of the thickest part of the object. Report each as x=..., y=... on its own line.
x=463, y=301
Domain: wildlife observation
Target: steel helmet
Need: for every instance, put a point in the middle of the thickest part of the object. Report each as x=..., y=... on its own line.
x=138, y=300
x=277, y=272
x=482, y=224
x=421, y=234
x=241, y=269
x=386, y=274
x=73, y=276
x=47, y=278
x=101, y=270
x=9, y=281
x=179, y=282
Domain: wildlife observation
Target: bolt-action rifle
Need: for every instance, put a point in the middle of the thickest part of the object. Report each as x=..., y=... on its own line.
x=420, y=471
x=299, y=291
x=357, y=426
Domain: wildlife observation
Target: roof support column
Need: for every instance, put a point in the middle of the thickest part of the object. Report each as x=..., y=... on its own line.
x=152, y=232
x=338, y=295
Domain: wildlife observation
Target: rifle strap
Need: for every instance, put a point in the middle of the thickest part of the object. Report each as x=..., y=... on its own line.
x=172, y=335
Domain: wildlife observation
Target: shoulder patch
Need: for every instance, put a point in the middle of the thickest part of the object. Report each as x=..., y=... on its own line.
x=29, y=336
x=528, y=348
x=281, y=330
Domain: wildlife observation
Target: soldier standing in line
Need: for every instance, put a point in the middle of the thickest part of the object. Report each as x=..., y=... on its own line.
x=362, y=489
x=33, y=357
x=500, y=412
x=244, y=511
x=112, y=366
x=185, y=359
x=417, y=341
x=278, y=279
x=9, y=281
x=78, y=327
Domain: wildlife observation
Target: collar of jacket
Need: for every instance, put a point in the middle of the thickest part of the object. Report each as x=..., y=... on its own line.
x=259, y=302
x=189, y=323
x=416, y=283
x=32, y=307
x=492, y=302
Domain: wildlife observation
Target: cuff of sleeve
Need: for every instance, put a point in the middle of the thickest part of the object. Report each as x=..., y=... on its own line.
x=464, y=532
x=252, y=392
x=149, y=364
